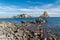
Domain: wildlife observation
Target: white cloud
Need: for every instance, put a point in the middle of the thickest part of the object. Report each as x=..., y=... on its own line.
x=47, y=6
x=35, y=11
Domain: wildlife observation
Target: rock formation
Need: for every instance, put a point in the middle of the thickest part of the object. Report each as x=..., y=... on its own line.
x=45, y=15
x=22, y=16
x=7, y=30
x=12, y=31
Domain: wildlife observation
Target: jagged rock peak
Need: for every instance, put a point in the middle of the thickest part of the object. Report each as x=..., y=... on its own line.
x=45, y=14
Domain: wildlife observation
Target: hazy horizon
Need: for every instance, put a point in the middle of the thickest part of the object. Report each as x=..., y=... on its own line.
x=9, y=8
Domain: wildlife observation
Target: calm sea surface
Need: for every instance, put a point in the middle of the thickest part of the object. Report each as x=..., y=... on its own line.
x=52, y=20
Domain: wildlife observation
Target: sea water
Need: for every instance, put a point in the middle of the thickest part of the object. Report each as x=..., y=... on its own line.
x=52, y=20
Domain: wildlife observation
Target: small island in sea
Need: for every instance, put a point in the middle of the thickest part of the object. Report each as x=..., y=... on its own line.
x=45, y=15
x=22, y=16
x=29, y=19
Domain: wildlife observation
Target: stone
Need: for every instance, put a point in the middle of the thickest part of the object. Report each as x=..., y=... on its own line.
x=12, y=31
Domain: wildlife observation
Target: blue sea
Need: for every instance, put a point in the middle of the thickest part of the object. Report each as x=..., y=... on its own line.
x=53, y=23
x=52, y=20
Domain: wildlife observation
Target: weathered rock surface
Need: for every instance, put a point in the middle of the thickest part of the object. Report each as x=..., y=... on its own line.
x=7, y=30
x=11, y=31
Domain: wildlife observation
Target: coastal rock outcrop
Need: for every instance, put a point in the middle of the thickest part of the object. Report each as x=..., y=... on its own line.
x=12, y=31
x=7, y=30
x=45, y=15
x=22, y=16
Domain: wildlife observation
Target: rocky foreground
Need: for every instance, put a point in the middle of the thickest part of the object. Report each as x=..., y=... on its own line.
x=12, y=31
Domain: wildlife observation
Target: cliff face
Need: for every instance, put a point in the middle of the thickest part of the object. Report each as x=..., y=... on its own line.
x=22, y=16
x=45, y=15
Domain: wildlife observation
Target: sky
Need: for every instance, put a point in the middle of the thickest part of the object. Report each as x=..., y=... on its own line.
x=35, y=8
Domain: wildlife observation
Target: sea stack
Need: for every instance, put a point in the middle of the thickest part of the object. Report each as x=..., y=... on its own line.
x=45, y=15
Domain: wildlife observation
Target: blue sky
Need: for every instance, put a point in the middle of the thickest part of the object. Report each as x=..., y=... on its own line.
x=10, y=8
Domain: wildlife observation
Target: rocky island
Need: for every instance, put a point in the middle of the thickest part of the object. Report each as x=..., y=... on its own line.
x=22, y=16
x=45, y=15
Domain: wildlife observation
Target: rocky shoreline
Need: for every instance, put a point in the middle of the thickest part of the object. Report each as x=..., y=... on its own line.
x=12, y=31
